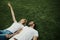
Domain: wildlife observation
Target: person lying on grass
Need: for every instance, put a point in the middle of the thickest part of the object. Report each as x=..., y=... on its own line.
x=27, y=33
x=16, y=26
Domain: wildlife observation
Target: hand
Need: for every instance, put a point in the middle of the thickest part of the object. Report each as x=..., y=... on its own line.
x=8, y=35
x=9, y=4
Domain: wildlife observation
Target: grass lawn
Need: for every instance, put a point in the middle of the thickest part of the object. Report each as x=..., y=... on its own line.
x=45, y=13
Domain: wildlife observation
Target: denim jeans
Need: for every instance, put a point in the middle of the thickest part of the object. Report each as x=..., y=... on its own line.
x=3, y=33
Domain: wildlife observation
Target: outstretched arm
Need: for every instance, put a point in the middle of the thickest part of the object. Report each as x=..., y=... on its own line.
x=12, y=12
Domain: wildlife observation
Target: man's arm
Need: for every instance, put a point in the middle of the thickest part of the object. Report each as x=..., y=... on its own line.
x=12, y=12
x=11, y=35
x=35, y=38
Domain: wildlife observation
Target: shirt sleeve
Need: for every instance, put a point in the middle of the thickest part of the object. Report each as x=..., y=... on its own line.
x=36, y=33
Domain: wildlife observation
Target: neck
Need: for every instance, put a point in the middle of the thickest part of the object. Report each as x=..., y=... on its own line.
x=32, y=26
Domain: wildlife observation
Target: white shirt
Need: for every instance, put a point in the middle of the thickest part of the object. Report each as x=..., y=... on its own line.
x=14, y=27
x=26, y=34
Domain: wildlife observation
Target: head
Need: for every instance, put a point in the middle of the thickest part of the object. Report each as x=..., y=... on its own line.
x=23, y=21
x=32, y=24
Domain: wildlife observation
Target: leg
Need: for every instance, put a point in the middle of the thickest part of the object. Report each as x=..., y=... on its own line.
x=3, y=35
x=1, y=31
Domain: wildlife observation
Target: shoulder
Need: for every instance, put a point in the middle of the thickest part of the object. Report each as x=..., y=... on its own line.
x=35, y=31
x=20, y=24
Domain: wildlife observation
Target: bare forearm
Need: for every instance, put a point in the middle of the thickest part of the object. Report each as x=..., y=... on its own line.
x=13, y=16
x=11, y=35
x=35, y=38
x=12, y=12
x=17, y=32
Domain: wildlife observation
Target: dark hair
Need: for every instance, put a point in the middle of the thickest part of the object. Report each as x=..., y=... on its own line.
x=34, y=23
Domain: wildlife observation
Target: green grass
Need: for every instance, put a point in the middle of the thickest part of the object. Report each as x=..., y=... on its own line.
x=44, y=12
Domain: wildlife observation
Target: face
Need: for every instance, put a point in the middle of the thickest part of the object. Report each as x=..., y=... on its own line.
x=31, y=23
x=23, y=21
